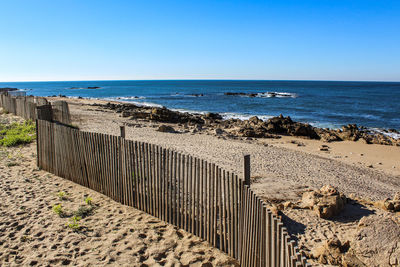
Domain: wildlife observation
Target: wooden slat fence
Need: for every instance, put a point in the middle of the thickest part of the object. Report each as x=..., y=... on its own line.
x=191, y=193
x=25, y=106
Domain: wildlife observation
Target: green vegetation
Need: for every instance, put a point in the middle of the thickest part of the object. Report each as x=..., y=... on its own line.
x=17, y=133
x=74, y=225
x=88, y=200
x=84, y=211
x=12, y=164
x=74, y=216
x=58, y=210
x=62, y=195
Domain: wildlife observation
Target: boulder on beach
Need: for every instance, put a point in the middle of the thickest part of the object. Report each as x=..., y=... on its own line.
x=376, y=241
x=166, y=129
x=388, y=204
x=326, y=202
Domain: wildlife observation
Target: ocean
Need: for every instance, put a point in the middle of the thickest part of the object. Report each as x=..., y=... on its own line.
x=328, y=104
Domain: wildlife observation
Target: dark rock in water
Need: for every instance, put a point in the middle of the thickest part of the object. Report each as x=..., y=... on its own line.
x=197, y=95
x=79, y=97
x=166, y=115
x=253, y=127
x=230, y=93
x=62, y=96
x=166, y=129
x=89, y=87
x=241, y=94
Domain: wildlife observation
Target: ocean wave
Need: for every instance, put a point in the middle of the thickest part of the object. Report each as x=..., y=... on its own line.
x=137, y=103
x=188, y=111
x=80, y=88
x=330, y=125
x=130, y=97
x=187, y=95
x=263, y=95
x=225, y=115
x=277, y=94
x=146, y=104
x=228, y=115
x=385, y=132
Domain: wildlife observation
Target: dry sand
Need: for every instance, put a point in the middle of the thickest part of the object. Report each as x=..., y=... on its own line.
x=31, y=234
x=282, y=169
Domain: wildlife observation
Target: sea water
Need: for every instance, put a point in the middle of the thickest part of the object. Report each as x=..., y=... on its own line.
x=320, y=103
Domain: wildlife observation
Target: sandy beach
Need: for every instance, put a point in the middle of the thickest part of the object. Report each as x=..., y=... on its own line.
x=282, y=170
x=31, y=234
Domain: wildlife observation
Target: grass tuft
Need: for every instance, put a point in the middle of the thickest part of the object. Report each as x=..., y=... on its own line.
x=74, y=225
x=17, y=133
x=58, y=210
x=89, y=201
x=62, y=195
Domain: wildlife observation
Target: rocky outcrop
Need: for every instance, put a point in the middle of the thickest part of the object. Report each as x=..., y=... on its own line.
x=254, y=127
x=326, y=202
x=377, y=241
x=330, y=252
x=7, y=89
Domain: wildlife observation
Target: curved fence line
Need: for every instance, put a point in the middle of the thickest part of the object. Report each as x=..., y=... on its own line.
x=191, y=193
x=34, y=107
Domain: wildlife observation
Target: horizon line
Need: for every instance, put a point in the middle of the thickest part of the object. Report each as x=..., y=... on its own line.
x=205, y=79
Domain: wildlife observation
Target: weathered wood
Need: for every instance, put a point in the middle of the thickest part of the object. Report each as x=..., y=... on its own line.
x=122, y=131
x=246, y=169
x=185, y=191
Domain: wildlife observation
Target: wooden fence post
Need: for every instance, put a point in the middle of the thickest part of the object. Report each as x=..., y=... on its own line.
x=44, y=113
x=122, y=129
x=246, y=170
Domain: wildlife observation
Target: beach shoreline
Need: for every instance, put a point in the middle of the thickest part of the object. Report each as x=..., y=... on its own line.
x=359, y=153
x=282, y=169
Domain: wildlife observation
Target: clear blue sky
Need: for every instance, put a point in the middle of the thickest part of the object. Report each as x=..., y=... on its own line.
x=108, y=40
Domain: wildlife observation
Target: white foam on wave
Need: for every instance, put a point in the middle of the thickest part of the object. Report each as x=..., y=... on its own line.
x=146, y=104
x=384, y=132
x=225, y=115
x=130, y=97
x=277, y=94
x=188, y=111
x=228, y=115
x=137, y=103
x=329, y=125
x=269, y=95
